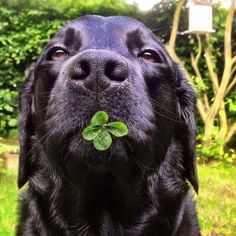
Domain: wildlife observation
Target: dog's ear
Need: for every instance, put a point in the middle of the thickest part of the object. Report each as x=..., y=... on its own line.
x=186, y=129
x=26, y=128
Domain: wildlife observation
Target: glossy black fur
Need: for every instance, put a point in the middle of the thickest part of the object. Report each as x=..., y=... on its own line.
x=140, y=185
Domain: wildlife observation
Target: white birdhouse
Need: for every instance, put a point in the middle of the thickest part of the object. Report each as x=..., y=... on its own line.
x=200, y=16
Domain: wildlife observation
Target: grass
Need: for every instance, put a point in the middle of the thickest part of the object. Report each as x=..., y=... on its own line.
x=8, y=145
x=8, y=204
x=216, y=201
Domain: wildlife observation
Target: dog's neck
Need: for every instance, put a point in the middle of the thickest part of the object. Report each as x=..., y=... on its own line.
x=109, y=203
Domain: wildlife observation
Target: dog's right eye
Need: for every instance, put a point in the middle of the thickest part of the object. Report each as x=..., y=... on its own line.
x=58, y=54
x=150, y=56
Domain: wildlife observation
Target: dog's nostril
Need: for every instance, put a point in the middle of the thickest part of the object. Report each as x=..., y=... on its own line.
x=116, y=71
x=81, y=70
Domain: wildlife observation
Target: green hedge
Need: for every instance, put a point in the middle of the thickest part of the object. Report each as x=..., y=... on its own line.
x=24, y=31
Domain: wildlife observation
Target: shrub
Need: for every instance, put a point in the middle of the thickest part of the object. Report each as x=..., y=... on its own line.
x=25, y=31
x=213, y=149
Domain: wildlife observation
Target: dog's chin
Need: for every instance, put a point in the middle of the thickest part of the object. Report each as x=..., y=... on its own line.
x=121, y=160
x=79, y=158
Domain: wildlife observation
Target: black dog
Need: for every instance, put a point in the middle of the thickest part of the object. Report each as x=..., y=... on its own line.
x=138, y=186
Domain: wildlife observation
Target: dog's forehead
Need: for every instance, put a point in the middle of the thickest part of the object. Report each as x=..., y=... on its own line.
x=112, y=24
x=99, y=30
x=103, y=22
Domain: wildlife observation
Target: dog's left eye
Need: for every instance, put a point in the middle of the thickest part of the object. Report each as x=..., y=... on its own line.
x=150, y=56
x=58, y=54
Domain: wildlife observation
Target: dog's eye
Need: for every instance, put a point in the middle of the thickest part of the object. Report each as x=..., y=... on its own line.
x=150, y=56
x=58, y=54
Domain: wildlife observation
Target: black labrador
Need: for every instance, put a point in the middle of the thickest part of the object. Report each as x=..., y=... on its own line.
x=139, y=186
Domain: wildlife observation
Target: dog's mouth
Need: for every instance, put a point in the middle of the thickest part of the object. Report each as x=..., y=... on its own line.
x=80, y=159
x=67, y=145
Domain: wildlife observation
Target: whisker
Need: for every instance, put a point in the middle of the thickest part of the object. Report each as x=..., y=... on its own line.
x=161, y=106
x=169, y=118
x=39, y=141
x=161, y=29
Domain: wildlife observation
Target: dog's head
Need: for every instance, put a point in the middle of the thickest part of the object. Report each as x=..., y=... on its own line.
x=113, y=64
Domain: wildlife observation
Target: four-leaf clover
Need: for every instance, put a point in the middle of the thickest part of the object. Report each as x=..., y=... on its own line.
x=99, y=131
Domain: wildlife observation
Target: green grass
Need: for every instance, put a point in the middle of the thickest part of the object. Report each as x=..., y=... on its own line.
x=8, y=204
x=216, y=201
x=8, y=145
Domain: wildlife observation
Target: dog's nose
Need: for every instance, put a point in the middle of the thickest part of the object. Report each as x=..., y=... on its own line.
x=98, y=69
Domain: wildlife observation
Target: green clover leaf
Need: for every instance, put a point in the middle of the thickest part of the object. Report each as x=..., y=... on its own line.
x=91, y=132
x=118, y=129
x=100, y=118
x=99, y=131
x=103, y=141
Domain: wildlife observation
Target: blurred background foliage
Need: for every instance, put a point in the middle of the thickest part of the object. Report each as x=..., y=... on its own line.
x=27, y=25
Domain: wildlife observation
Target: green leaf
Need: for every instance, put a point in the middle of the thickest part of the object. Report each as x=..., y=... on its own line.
x=100, y=118
x=100, y=131
x=91, y=132
x=12, y=122
x=8, y=108
x=102, y=141
x=118, y=129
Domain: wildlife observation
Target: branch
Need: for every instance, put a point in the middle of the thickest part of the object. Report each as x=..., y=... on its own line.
x=199, y=48
x=194, y=61
x=231, y=132
x=211, y=66
x=223, y=121
x=231, y=85
x=227, y=68
x=201, y=109
x=233, y=60
x=228, y=32
x=173, y=35
x=233, y=70
x=175, y=25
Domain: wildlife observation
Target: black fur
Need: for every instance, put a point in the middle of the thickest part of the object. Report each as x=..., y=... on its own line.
x=140, y=185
